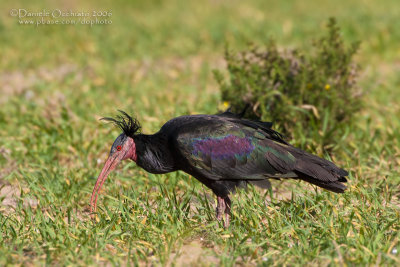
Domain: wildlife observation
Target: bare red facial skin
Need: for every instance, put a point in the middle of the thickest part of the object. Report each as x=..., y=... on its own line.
x=127, y=151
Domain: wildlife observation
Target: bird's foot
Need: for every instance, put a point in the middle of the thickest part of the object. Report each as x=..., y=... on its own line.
x=224, y=207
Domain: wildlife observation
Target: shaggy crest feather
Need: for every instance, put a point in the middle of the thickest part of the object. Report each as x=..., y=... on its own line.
x=129, y=125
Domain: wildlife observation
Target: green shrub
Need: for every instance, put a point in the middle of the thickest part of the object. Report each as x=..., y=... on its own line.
x=312, y=97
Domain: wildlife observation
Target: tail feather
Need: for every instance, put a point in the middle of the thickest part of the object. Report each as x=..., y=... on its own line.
x=320, y=172
x=335, y=186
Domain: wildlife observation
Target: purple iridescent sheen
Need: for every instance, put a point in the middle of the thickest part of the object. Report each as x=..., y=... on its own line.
x=223, y=147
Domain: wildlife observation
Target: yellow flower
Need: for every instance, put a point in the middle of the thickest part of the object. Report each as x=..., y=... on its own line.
x=327, y=87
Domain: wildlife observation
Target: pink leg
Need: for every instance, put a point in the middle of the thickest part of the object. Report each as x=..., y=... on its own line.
x=223, y=207
x=220, y=207
x=227, y=212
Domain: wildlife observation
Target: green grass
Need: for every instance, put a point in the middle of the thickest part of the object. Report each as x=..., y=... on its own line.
x=156, y=61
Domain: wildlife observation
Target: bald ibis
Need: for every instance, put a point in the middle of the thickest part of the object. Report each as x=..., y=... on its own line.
x=222, y=151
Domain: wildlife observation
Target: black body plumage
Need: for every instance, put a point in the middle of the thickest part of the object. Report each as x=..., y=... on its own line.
x=226, y=151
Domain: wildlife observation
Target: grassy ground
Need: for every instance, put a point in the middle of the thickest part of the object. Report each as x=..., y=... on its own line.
x=155, y=60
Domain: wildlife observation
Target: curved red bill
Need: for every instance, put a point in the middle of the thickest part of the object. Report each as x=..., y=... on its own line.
x=110, y=164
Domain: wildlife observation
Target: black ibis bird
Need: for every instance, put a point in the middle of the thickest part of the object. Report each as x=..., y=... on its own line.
x=222, y=151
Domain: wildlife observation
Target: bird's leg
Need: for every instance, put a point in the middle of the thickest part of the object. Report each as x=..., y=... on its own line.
x=227, y=211
x=224, y=207
x=220, y=207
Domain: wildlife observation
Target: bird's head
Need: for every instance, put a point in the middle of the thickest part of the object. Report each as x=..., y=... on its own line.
x=123, y=148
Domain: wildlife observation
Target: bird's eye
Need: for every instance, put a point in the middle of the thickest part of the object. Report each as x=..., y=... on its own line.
x=119, y=148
